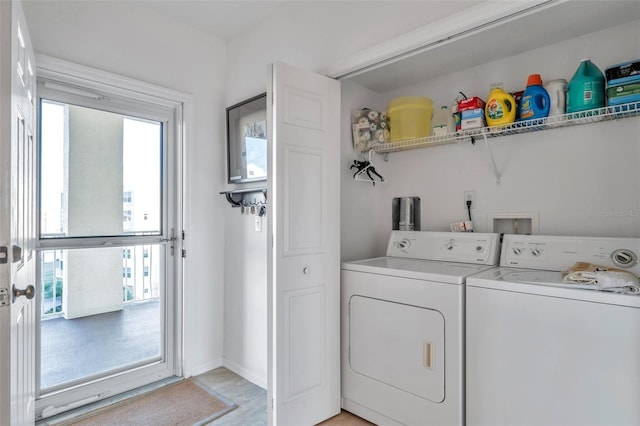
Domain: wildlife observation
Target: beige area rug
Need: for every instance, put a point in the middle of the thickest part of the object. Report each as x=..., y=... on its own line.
x=188, y=402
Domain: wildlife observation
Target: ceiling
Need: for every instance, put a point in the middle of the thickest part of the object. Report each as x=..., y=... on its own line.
x=227, y=19
x=219, y=18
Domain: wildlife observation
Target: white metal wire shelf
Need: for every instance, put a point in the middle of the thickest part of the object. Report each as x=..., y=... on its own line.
x=566, y=120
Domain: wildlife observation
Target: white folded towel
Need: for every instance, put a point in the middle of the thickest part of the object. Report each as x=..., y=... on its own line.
x=619, y=282
x=613, y=281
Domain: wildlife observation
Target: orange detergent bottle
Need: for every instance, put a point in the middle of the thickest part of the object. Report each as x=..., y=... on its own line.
x=500, y=108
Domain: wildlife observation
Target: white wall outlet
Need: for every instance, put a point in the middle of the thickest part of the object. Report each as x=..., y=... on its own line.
x=258, y=223
x=470, y=196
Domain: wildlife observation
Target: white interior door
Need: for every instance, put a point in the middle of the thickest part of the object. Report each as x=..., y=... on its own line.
x=17, y=220
x=304, y=258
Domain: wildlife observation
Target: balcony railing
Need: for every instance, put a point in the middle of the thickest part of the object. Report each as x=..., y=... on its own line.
x=140, y=276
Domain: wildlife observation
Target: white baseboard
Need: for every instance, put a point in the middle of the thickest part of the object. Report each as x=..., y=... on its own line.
x=203, y=368
x=251, y=376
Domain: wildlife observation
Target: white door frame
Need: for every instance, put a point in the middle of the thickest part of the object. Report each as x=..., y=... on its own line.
x=74, y=75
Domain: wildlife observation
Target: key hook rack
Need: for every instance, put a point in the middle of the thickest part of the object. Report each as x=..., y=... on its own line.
x=246, y=197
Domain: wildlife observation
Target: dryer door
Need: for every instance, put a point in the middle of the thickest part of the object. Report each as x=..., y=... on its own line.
x=399, y=345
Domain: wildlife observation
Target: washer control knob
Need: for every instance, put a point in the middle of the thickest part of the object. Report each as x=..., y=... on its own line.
x=517, y=251
x=536, y=252
x=479, y=249
x=404, y=244
x=624, y=258
x=449, y=246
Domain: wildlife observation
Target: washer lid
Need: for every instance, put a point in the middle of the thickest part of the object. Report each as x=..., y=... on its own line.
x=546, y=283
x=428, y=270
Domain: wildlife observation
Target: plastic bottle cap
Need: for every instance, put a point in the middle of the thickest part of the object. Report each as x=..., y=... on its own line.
x=534, y=80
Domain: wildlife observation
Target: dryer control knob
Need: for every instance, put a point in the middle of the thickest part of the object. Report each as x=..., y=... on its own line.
x=517, y=251
x=536, y=252
x=479, y=249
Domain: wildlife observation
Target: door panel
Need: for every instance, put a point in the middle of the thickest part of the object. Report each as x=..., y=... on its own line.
x=17, y=236
x=304, y=218
x=304, y=316
x=304, y=261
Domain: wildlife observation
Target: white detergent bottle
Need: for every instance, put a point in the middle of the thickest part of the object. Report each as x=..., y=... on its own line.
x=443, y=122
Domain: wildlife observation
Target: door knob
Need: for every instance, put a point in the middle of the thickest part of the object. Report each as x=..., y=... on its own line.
x=29, y=292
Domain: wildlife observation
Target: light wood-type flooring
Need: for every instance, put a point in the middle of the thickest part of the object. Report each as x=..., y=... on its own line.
x=252, y=401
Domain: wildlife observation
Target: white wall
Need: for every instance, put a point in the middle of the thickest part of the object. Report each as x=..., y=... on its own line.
x=121, y=38
x=572, y=177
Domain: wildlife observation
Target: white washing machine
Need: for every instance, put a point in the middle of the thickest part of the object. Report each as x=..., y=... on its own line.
x=542, y=352
x=403, y=327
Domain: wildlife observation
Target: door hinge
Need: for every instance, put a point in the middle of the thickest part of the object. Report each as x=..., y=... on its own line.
x=4, y=296
x=183, y=235
x=184, y=253
x=4, y=254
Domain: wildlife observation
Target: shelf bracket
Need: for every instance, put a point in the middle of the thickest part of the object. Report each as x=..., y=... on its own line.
x=493, y=160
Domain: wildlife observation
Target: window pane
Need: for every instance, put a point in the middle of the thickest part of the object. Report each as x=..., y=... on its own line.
x=101, y=173
x=100, y=313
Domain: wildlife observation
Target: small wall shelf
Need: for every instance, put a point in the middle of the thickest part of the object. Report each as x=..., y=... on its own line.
x=246, y=197
x=528, y=126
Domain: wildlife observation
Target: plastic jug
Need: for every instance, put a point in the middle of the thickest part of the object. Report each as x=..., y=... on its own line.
x=586, y=88
x=443, y=122
x=557, y=90
x=500, y=107
x=535, y=100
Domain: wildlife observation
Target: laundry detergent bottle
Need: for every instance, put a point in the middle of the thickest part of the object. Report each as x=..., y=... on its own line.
x=501, y=106
x=535, y=100
x=586, y=88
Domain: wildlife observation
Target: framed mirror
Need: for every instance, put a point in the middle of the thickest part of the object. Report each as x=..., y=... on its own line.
x=247, y=140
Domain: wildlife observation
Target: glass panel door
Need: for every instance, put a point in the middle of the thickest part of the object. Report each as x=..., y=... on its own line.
x=107, y=247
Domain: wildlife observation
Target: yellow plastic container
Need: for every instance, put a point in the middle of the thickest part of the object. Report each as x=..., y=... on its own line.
x=500, y=108
x=409, y=118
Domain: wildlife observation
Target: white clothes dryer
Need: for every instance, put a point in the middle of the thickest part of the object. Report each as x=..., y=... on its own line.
x=540, y=351
x=403, y=327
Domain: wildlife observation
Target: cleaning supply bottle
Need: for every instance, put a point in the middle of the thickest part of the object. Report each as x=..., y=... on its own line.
x=586, y=88
x=443, y=122
x=535, y=100
x=501, y=107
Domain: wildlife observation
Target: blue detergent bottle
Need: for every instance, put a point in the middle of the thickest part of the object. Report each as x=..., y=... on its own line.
x=535, y=100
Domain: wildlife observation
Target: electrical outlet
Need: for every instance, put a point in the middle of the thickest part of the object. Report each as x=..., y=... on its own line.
x=470, y=196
